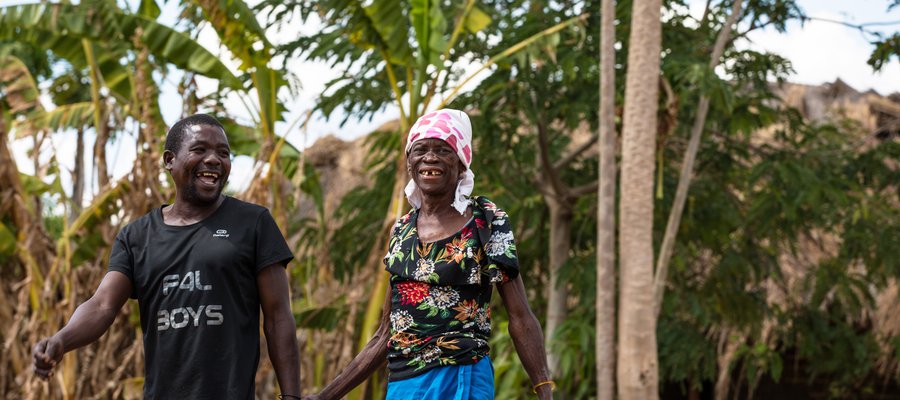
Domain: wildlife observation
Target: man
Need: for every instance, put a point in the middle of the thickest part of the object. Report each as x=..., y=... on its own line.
x=200, y=270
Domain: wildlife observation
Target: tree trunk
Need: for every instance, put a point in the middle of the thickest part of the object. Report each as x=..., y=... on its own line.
x=606, y=228
x=38, y=170
x=637, y=368
x=100, y=156
x=100, y=124
x=148, y=141
x=560, y=244
x=78, y=177
x=726, y=350
x=687, y=167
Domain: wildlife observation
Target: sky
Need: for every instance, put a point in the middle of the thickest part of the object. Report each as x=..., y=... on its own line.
x=820, y=52
x=824, y=51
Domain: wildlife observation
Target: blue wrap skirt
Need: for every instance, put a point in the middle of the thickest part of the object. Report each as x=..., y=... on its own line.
x=454, y=382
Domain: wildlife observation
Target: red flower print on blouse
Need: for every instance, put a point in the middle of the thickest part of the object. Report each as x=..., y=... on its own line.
x=404, y=219
x=412, y=292
x=466, y=232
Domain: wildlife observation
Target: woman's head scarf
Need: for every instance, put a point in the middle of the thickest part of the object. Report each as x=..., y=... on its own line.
x=453, y=127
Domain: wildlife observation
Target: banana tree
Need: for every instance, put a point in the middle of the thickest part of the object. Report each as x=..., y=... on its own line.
x=120, y=50
x=407, y=55
x=47, y=267
x=276, y=161
x=97, y=36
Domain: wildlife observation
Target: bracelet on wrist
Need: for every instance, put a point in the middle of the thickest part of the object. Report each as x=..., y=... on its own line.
x=289, y=396
x=539, y=384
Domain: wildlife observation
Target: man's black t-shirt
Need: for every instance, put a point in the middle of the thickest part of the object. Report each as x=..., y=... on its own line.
x=196, y=288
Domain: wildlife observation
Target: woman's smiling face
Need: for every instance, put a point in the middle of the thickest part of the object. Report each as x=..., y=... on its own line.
x=434, y=166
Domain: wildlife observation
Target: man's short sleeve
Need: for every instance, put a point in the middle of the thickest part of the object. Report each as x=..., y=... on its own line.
x=121, y=259
x=271, y=248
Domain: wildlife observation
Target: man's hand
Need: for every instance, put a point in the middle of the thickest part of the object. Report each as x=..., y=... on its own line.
x=90, y=320
x=47, y=353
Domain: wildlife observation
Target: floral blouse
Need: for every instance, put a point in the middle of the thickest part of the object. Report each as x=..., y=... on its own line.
x=441, y=291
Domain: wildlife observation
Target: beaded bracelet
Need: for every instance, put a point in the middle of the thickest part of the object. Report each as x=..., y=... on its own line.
x=283, y=396
x=551, y=383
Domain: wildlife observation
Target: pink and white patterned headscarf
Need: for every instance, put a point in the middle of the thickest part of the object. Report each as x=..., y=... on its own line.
x=453, y=127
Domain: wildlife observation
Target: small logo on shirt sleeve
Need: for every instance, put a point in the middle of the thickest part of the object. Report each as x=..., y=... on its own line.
x=222, y=233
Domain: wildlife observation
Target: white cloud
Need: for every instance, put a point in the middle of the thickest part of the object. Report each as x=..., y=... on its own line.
x=822, y=52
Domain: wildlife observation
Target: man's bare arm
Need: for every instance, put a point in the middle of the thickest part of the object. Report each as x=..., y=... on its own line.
x=89, y=321
x=279, y=327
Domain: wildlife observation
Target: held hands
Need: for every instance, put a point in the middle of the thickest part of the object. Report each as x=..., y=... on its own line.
x=47, y=353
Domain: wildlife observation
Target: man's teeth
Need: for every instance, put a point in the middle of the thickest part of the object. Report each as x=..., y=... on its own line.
x=432, y=173
x=208, y=175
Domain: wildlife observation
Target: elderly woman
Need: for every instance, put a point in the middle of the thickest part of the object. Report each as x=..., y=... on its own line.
x=445, y=256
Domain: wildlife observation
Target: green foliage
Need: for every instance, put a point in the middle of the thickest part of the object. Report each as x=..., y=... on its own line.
x=387, y=49
x=361, y=36
x=363, y=208
x=7, y=242
x=89, y=245
x=509, y=380
x=476, y=20
x=311, y=231
x=237, y=28
x=74, y=86
x=313, y=188
x=805, y=184
x=36, y=187
x=323, y=318
x=19, y=89
x=808, y=195
x=885, y=49
x=575, y=347
x=245, y=141
x=687, y=354
x=149, y=9
x=535, y=100
x=35, y=59
x=430, y=26
x=60, y=27
x=759, y=359
x=836, y=349
x=66, y=116
x=753, y=201
x=774, y=13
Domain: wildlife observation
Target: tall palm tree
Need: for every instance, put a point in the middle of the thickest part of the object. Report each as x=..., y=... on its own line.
x=606, y=211
x=638, y=376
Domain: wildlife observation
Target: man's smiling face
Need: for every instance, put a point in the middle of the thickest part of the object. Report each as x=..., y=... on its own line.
x=201, y=166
